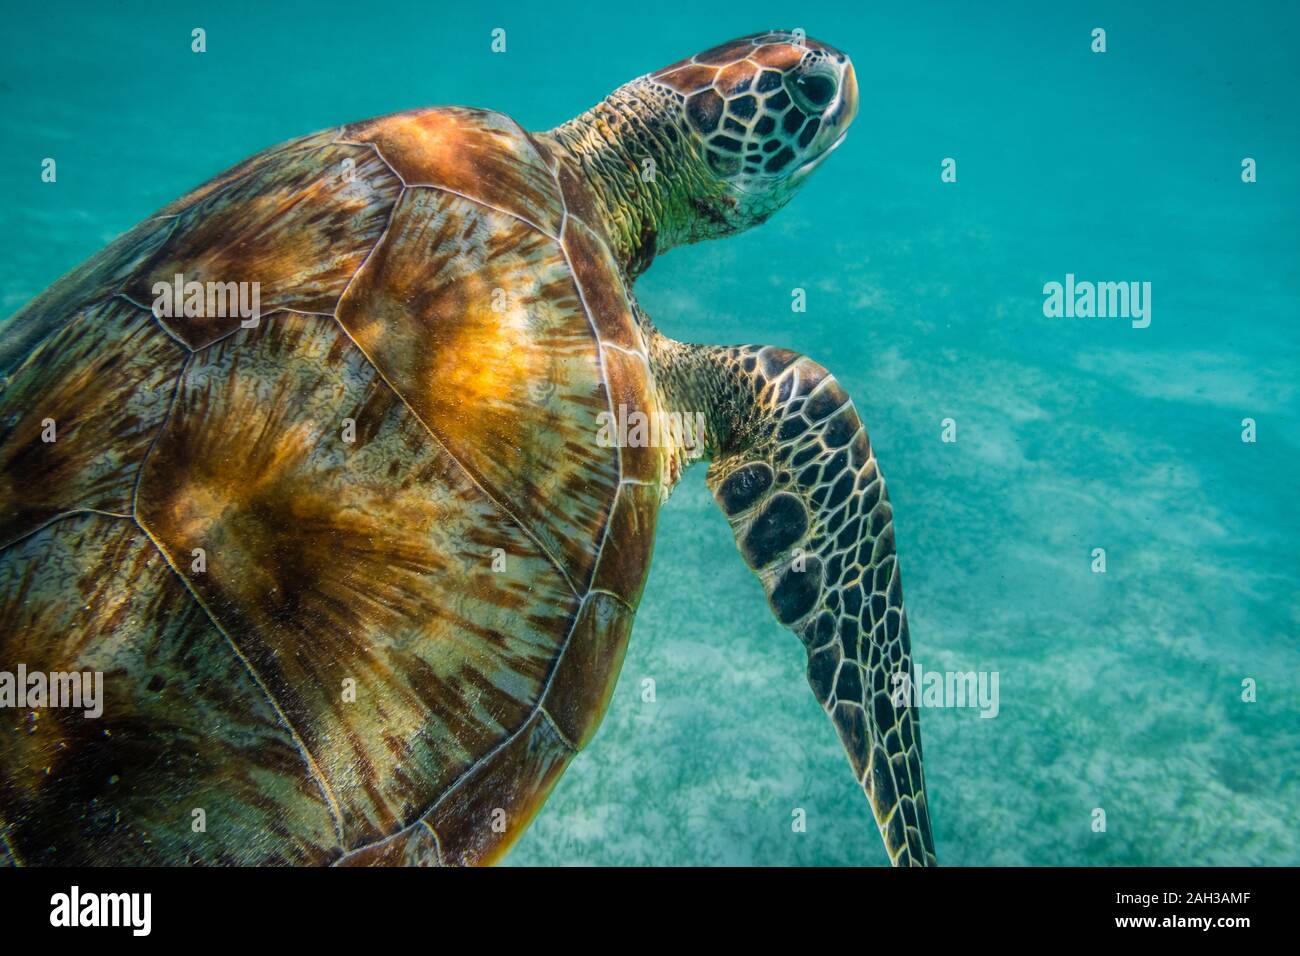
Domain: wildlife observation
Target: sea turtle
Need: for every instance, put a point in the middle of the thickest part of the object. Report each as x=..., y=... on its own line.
x=316, y=468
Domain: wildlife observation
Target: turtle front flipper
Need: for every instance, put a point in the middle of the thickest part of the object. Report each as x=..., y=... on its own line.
x=793, y=470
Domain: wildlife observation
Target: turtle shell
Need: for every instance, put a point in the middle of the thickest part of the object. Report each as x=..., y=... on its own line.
x=357, y=572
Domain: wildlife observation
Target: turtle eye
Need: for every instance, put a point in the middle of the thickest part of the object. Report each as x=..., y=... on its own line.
x=814, y=90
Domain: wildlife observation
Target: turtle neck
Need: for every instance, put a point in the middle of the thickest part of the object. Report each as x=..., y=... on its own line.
x=652, y=185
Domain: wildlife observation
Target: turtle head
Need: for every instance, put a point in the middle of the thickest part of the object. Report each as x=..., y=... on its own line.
x=762, y=112
x=714, y=144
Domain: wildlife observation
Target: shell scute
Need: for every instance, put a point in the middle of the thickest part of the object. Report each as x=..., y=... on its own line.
x=356, y=576
x=77, y=418
x=588, y=670
x=298, y=229
x=183, y=725
x=416, y=845
x=477, y=153
x=478, y=819
x=629, y=543
x=603, y=292
x=474, y=318
x=634, y=422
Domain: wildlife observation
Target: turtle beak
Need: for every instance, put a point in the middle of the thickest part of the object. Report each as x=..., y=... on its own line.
x=848, y=98
x=838, y=117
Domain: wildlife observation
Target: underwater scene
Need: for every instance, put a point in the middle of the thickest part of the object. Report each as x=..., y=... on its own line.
x=1054, y=265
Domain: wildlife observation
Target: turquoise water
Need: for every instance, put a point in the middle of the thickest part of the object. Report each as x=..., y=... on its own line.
x=1120, y=691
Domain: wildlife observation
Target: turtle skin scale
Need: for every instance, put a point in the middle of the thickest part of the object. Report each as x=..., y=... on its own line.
x=374, y=649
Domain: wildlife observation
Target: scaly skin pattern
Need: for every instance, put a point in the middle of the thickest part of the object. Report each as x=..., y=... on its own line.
x=649, y=180
x=793, y=470
x=711, y=145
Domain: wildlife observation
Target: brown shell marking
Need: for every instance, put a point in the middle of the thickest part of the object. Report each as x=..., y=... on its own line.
x=629, y=542
x=330, y=561
x=578, y=200
x=585, y=676
x=327, y=560
x=300, y=230
x=91, y=593
x=602, y=288
x=474, y=318
x=509, y=788
x=476, y=153
x=105, y=406
x=626, y=371
x=416, y=845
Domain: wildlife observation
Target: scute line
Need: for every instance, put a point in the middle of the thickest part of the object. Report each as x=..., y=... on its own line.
x=564, y=738
x=470, y=770
x=437, y=843
x=528, y=138
x=465, y=774
x=604, y=372
x=627, y=351
x=162, y=325
x=162, y=425
x=101, y=296
x=464, y=469
x=442, y=445
x=617, y=597
x=437, y=840
x=455, y=192
x=487, y=205
x=312, y=766
x=473, y=479
x=261, y=317
x=609, y=518
x=382, y=158
x=55, y=519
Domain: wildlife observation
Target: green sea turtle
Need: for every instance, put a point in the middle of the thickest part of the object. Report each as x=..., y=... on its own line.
x=308, y=467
